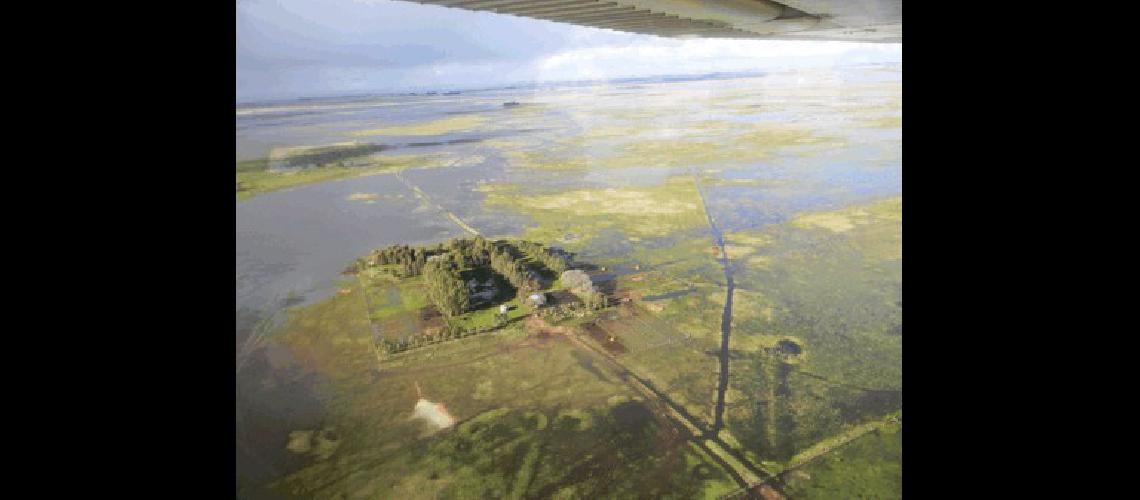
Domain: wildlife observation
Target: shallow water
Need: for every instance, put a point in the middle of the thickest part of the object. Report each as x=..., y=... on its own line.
x=298, y=241
x=292, y=244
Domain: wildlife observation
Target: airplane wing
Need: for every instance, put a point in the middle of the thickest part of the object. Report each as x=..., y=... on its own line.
x=838, y=20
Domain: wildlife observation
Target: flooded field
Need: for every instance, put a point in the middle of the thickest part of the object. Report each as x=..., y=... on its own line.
x=748, y=230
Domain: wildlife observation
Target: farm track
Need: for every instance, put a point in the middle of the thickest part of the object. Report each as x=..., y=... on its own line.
x=819, y=450
x=836, y=383
x=726, y=316
x=746, y=475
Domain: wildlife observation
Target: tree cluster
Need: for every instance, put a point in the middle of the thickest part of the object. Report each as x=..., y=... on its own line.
x=596, y=300
x=451, y=332
x=467, y=253
x=446, y=289
x=578, y=281
x=442, y=264
x=581, y=284
x=515, y=271
x=555, y=261
x=409, y=261
x=559, y=312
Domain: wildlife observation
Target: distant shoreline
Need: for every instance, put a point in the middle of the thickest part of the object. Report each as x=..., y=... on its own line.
x=443, y=91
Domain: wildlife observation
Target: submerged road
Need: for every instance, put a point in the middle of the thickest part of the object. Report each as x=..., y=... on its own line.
x=427, y=199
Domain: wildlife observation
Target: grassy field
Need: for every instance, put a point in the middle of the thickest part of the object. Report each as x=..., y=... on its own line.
x=827, y=282
x=537, y=419
x=869, y=467
x=436, y=127
x=485, y=318
x=575, y=219
x=254, y=177
x=680, y=364
x=830, y=281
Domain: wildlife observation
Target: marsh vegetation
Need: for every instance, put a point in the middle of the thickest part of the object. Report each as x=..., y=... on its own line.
x=599, y=199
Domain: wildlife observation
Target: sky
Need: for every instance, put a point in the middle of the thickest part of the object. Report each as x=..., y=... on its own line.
x=315, y=48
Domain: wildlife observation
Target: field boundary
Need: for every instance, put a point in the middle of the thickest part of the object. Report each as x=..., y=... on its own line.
x=823, y=448
x=818, y=450
x=378, y=340
x=368, y=315
x=746, y=474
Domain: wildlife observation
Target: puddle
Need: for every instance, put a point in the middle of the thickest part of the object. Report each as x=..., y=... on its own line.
x=789, y=347
x=669, y=295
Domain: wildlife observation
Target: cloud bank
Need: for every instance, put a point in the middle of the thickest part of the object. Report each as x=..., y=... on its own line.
x=295, y=48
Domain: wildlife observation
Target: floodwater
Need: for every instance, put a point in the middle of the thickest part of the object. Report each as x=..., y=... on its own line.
x=292, y=244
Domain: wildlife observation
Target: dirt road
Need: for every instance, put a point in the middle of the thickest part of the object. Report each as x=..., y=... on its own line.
x=671, y=415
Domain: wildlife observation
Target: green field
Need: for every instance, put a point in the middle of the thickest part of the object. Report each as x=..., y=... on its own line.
x=868, y=467
x=538, y=418
x=255, y=177
x=831, y=281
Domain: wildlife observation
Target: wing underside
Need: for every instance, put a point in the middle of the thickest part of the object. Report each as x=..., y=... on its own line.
x=840, y=20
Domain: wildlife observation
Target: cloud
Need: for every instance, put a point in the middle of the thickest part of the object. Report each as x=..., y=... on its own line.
x=291, y=48
x=689, y=56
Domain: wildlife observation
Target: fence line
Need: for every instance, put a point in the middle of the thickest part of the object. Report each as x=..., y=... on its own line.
x=454, y=218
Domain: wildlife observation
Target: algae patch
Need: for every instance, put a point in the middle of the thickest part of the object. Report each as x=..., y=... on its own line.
x=365, y=197
x=436, y=127
x=639, y=212
x=841, y=221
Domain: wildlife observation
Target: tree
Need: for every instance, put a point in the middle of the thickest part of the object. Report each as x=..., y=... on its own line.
x=578, y=281
x=446, y=288
x=596, y=300
x=556, y=262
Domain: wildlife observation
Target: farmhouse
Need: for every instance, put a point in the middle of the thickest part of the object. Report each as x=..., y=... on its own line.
x=578, y=281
